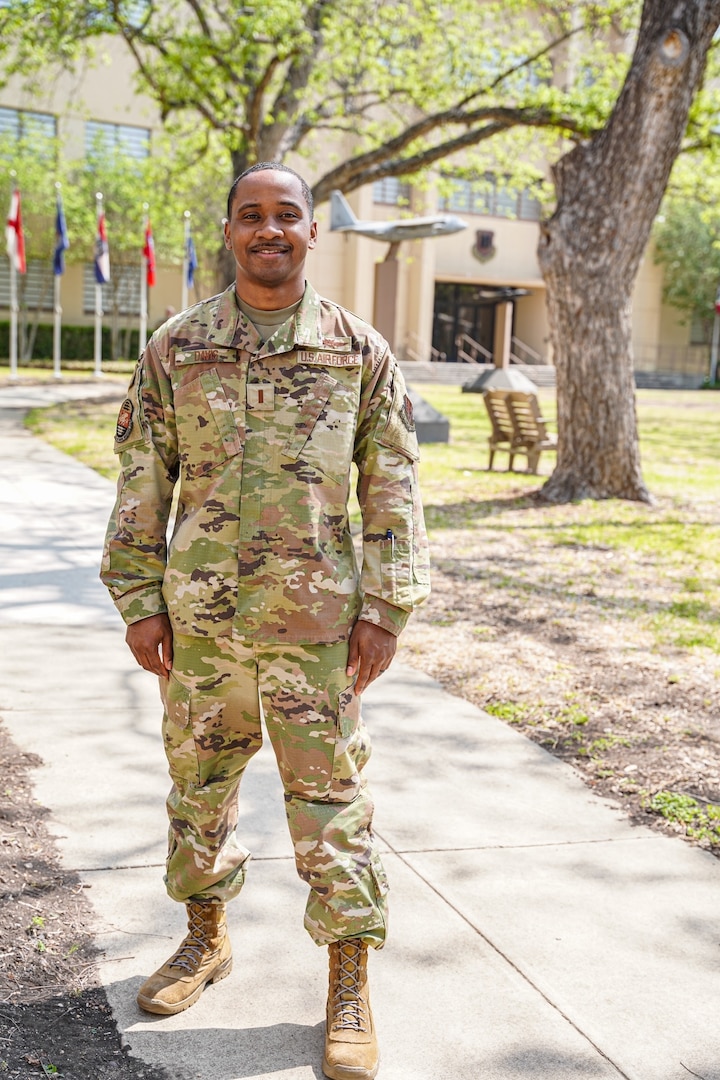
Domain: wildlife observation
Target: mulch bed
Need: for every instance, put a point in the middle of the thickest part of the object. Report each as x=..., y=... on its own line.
x=55, y=1020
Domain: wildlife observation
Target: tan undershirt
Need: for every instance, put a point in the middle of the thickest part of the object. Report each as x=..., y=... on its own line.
x=267, y=322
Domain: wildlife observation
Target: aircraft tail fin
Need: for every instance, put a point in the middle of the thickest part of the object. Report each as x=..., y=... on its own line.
x=341, y=216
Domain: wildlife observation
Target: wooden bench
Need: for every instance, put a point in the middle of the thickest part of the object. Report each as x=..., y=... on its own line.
x=517, y=426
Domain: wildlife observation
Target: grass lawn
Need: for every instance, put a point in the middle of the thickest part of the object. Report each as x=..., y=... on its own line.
x=680, y=450
x=71, y=370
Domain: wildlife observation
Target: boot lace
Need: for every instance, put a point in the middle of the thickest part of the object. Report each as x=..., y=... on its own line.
x=348, y=1006
x=193, y=947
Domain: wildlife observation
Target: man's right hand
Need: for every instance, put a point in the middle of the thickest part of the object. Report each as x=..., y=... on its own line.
x=151, y=643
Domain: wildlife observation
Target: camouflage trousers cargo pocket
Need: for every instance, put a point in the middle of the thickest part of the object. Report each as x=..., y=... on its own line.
x=177, y=730
x=215, y=698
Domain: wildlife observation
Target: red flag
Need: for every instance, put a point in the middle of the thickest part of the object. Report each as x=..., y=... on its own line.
x=149, y=253
x=14, y=234
x=102, y=253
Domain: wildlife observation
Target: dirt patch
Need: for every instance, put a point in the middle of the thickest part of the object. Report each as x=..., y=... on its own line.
x=559, y=642
x=55, y=1020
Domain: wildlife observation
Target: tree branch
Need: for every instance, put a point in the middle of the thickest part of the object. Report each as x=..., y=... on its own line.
x=385, y=160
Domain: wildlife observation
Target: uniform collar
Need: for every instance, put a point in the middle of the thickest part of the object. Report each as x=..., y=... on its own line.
x=230, y=328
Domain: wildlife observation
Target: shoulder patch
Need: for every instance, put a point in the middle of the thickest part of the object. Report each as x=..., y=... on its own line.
x=130, y=427
x=407, y=414
x=399, y=430
x=124, y=424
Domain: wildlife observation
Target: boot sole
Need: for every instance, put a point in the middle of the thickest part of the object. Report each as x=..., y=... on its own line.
x=347, y=1072
x=161, y=1008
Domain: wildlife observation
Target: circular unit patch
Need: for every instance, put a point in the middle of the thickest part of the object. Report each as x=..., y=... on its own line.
x=124, y=421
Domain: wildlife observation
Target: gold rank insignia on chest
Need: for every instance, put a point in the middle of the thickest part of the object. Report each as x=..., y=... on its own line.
x=261, y=397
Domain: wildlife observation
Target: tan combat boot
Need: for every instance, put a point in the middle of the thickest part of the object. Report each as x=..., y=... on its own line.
x=204, y=956
x=351, y=1049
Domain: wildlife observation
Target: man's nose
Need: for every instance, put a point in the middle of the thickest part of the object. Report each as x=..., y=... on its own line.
x=270, y=227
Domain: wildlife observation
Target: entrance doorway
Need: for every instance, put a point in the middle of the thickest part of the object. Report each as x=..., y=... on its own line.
x=466, y=309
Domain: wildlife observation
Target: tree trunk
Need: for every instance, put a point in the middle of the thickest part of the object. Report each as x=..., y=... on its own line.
x=608, y=193
x=225, y=263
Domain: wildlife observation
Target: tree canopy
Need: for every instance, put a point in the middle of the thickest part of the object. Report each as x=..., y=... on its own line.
x=687, y=244
x=373, y=90
x=608, y=92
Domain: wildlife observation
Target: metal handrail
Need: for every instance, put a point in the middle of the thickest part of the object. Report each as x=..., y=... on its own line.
x=421, y=349
x=470, y=350
x=531, y=357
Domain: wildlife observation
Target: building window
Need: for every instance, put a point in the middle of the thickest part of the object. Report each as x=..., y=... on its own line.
x=391, y=192
x=493, y=198
x=122, y=292
x=701, y=329
x=24, y=125
x=35, y=287
x=133, y=142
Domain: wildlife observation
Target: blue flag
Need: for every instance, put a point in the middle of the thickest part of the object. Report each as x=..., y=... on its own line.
x=61, y=238
x=192, y=262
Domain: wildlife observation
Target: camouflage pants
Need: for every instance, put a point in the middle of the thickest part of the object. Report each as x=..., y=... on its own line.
x=214, y=699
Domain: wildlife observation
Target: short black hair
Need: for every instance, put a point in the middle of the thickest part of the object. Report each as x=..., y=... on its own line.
x=262, y=166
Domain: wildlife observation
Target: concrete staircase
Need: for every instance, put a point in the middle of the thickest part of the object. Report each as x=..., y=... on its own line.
x=667, y=380
x=419, y=371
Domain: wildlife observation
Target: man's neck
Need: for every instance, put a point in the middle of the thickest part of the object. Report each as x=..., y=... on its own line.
x=270, y=299
x=267, y=322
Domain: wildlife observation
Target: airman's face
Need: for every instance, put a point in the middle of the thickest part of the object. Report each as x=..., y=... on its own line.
x=270, y=234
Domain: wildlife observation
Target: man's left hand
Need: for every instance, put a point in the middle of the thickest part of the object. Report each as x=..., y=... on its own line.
x=371, y=651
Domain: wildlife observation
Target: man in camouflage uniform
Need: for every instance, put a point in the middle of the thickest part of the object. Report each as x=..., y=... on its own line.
x=254, y=404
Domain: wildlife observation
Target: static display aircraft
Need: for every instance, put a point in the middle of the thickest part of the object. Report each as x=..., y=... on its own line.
x=342, y=219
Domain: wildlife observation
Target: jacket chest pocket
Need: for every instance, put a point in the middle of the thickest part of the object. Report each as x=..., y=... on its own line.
x=205, y=418
x=324, y=432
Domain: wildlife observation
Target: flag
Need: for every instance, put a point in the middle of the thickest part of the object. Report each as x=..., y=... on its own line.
x=14, y=234
x=149, y=253
x=192, y=262
x=102, y=253
x=61, y=238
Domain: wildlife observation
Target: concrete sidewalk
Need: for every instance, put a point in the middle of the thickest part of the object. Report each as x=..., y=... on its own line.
x=535, y=934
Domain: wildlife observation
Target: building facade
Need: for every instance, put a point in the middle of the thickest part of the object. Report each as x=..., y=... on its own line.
x=448, y=287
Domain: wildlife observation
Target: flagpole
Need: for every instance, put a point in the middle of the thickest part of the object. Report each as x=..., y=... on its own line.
x=57, y=323
x=186, y=260
x=98, y=305
x=13, y=307
x=143, y=290
x=715, y=341
x=13, y=321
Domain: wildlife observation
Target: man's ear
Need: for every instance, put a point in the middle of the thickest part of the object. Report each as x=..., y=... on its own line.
x=313, y=235
x=226, y=233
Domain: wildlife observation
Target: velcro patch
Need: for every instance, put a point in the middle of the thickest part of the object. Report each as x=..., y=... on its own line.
x=407, y=414
x=337, y=344
x=327, y=359
x=207, y=356
x=261, y=397
x=124, y=421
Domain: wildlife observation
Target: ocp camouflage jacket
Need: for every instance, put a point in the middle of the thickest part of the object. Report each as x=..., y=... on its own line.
x=261, y=438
